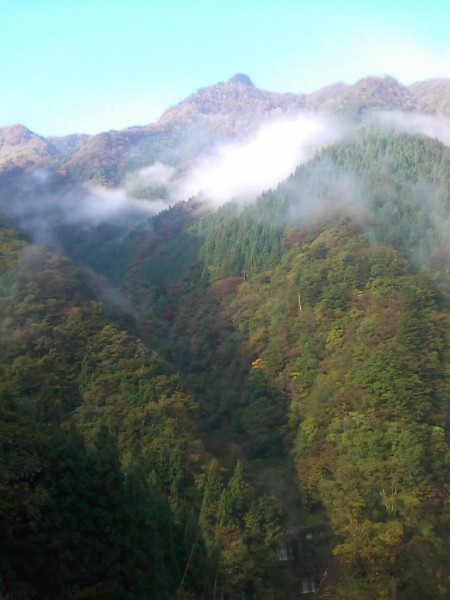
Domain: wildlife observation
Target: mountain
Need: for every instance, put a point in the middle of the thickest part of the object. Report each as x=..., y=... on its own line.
x=227, y=110
x=248, y=401
x=367, y=94
x=20, y=148
x=432, y=96
x=235, y=98
x=232, y=109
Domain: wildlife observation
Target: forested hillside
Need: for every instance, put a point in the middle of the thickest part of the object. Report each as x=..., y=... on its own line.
x=247, y=402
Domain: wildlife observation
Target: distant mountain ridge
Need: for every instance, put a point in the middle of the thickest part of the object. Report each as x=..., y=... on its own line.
x=231, y=109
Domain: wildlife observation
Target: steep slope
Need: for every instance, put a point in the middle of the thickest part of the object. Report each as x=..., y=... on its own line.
x=78, y=510
x=104, y=471
x=270, y=392
x=312, y=339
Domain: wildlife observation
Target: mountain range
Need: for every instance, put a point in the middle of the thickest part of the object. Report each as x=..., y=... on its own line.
x=229, y=110
x=234, y=396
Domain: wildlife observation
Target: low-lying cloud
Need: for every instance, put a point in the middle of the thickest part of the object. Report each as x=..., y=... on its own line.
x=241, y=170
x=433, y=126
x=233, y=170
x=99, y=204
x=157, y=174
x=326, y=192
x=41, y=212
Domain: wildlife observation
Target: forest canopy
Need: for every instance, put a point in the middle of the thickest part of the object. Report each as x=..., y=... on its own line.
x=238, y=403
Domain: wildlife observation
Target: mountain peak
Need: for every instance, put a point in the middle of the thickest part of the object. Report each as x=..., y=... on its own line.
x=16, y=134
x=237, y=95
x=379, y=82
x=242, y=79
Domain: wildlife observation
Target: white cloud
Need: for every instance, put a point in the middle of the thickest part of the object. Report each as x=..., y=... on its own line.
x=101, y=204
x=242, y=170
x=155, y=175
x=433, y=126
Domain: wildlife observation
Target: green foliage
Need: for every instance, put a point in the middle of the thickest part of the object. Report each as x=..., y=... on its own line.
x=69, y=529
x=249, y=357
x=242, y=531
x=261, y=417
x=73, y=523
x=236, y=243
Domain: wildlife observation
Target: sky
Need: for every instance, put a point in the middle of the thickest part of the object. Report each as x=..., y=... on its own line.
x=85, y=66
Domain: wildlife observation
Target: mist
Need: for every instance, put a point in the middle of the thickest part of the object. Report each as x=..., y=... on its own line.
x=433, y=126
x=241, y=170
x=411, y=216
x=233, y=170
x=325, y=192
x=156, y=174
x=101, y=204
x=40, y=211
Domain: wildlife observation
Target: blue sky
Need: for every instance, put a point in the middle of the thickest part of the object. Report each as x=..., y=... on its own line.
x=87, y=66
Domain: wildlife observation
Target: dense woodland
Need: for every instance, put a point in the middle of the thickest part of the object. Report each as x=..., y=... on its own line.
x=241, y=403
